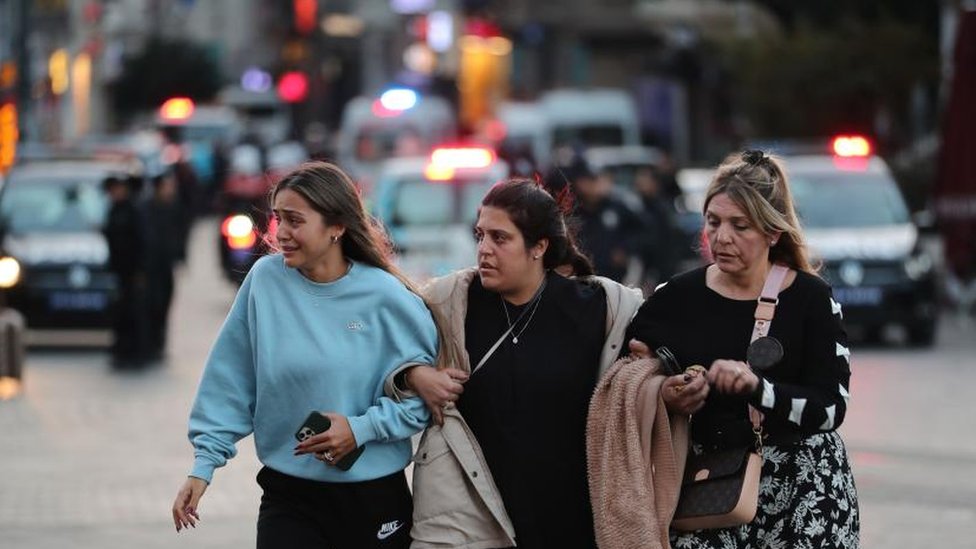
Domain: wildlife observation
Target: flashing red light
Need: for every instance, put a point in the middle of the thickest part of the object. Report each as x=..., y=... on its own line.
x=239, y=232
x=177, y=108
x=851, y=146
x=463, y=157
x=293, y=87
x=444, y=162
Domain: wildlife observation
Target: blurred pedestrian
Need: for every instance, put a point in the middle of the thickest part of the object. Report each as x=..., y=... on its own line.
x=528, y=344
x=657, y=244
x=807, y=496
x=667, y=176
x=164, y=224
x=317, y=326
x=126, y=237
x=188, y=189
x=609, y=230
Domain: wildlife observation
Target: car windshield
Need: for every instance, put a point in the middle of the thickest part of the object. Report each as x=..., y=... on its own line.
x=38, y=203
x=421, y=202
x=827, y=200
x=377, y=143
x=623, y=175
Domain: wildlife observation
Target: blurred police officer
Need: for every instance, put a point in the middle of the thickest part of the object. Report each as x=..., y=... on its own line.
x=657, y=246
x=609, y=230
x=125, y=232
x=164, y=225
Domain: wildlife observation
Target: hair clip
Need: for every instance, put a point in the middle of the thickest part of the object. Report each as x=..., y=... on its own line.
x=753, y=157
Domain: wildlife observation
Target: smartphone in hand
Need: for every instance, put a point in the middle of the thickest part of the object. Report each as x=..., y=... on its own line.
x=316, y=423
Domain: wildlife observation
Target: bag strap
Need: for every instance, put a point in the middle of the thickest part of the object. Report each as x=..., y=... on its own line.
x=766, y=304
x=765, y=311
x=492, y=350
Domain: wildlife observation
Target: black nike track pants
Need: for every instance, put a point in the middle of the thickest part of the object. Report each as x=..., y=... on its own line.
x=332, y=515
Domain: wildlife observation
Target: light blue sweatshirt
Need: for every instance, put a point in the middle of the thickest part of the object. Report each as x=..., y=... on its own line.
x=290, y=346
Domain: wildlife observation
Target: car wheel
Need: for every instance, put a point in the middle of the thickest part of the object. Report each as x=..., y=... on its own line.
x=922, y=335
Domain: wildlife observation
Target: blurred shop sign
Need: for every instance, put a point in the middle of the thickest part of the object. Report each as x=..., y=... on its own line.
x=8, y=135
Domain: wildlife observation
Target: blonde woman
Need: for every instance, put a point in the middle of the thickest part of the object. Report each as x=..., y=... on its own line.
x=706, y=316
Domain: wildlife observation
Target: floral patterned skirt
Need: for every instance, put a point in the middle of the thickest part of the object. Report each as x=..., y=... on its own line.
x=807, y=500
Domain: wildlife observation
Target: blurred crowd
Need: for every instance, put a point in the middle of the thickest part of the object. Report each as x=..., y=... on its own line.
x=146, y=230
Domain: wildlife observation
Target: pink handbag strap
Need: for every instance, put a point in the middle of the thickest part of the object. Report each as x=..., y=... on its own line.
x=766, y=305
x=765, y=310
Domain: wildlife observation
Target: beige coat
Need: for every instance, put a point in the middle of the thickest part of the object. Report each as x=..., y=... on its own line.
x=456, y=501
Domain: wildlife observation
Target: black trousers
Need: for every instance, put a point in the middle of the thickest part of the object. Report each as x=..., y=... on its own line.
x=333, y=515
x=130, y=321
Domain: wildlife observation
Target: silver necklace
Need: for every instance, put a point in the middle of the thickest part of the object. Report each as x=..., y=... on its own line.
x=533, y=306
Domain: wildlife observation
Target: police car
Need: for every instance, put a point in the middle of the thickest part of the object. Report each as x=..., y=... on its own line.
x=55, y=264
x=856, y=221
x=430, y=205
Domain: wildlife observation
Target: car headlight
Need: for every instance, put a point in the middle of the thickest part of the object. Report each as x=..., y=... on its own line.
x=918, y=266
x=9, y=272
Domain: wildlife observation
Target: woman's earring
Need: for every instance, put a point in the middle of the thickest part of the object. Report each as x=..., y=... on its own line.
x=535, y=257
x=335, y=238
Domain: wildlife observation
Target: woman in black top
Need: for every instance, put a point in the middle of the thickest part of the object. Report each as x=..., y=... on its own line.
x=807, y=496
x=527, y=405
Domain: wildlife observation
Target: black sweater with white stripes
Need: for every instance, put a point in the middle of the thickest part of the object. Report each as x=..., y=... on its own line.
x=805, y=393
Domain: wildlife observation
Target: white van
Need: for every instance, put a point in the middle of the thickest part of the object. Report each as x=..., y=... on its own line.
x=371, y=133
x=525, y=128
x=597, y=117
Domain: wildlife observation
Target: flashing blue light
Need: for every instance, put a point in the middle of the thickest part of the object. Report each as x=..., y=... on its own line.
x=256, y=80
x=398, y=99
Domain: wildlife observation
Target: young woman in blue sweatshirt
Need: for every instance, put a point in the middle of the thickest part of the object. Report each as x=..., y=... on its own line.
x=316, y=327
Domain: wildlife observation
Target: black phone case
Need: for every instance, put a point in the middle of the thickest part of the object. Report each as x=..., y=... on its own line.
x=316, y=423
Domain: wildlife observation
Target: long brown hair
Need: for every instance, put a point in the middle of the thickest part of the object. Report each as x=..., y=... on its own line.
x=332, y=193
x=757, y=184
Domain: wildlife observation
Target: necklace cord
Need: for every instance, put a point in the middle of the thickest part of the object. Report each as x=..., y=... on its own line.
x=532, y=305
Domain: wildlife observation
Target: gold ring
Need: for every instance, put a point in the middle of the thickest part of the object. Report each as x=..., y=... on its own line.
x=678, y=388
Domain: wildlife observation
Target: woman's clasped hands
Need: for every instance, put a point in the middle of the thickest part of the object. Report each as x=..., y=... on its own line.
x=685, y=393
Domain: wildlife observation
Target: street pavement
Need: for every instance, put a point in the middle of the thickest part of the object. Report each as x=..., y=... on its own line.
x=92, y=458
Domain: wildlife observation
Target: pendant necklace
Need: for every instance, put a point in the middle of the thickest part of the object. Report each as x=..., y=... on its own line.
x=533, y=305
